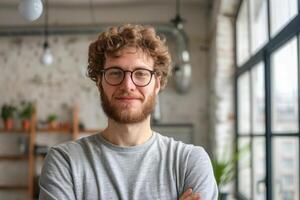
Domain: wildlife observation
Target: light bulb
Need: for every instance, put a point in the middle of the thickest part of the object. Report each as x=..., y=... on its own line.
x=30, y=9
x=185, y=56
x=47, y=57
x=183, y=76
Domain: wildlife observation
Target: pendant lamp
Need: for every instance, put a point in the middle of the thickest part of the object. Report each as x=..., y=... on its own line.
x=47, y=57
x=183, y=68
x=30, y=9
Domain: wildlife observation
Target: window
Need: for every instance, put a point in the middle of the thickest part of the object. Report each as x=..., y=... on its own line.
x=285, y=167
x=287, y=163
x=287, y=195
x=244, y=169
x=288, y=180
x=285, y=88
x=242, y=34
x=287, y=146
x=258, y=98
x=267, y=98
x=281, y=13
x=259, y=166
x=259, y=24
x=244, y=104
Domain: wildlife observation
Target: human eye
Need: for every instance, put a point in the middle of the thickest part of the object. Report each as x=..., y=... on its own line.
x=114, y=73
x=141, y=73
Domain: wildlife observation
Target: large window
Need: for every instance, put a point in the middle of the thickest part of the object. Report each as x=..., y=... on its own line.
x=267, y=98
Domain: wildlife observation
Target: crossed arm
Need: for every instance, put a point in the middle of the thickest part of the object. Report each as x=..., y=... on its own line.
x=189, y=195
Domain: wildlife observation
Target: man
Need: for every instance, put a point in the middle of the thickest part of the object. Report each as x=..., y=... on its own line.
x=130, y=64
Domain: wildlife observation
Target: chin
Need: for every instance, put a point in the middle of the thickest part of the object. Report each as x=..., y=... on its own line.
x=129, y=119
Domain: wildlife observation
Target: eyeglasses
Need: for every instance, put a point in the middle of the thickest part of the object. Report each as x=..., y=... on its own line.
x=115, y=75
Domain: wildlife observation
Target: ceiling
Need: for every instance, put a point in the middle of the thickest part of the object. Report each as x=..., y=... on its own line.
x=66, y=12
x=75, y=3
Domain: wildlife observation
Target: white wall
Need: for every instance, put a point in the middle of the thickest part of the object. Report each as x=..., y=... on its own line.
x=58, y=87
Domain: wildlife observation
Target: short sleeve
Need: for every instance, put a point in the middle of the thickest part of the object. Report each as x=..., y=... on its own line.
x=56, y=181
x=199, y=174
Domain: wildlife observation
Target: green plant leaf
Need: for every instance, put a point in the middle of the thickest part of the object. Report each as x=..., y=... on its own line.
x=7, y=111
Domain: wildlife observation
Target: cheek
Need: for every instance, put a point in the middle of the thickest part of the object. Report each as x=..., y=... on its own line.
x=146, y=92
x=108, y=91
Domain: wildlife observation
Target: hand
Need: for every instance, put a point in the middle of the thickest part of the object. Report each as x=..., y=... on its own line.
x=189, y=195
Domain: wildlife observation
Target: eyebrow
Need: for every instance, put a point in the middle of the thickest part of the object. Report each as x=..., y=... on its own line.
x=134, y=68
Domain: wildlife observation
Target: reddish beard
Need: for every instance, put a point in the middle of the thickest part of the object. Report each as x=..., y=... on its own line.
x=122, y=114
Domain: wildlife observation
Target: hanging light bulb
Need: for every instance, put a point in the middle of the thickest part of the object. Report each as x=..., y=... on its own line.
x=30, y=9
x=183, y=76
x=47, y=57
x=178, y=20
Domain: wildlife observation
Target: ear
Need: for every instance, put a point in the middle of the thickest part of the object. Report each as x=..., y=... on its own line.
x=99, y=80
x=157, y=84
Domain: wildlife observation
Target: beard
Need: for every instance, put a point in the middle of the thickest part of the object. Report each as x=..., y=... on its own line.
x=123, y=113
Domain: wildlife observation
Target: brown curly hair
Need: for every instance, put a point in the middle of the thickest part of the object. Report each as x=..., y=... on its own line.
x=110, y=42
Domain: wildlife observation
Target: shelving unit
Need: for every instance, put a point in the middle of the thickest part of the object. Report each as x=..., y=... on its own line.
x=13, y=187
x=31, y=163
x=10, y=158
x=13, y=157
x=30, y=156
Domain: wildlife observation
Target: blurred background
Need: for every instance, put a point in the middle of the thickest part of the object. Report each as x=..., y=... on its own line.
x=234, y=88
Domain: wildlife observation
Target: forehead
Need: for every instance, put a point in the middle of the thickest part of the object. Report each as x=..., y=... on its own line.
x=130, y=58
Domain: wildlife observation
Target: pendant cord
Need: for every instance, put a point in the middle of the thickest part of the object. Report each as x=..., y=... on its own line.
x=178, y=7
x=46, y=33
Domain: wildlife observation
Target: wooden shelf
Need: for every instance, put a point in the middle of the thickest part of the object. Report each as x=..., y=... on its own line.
x=59, y=130
x=13, y=187
x=2, y=131
x=13, y=157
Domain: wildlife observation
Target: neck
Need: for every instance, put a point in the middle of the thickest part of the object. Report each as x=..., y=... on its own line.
x=126, y=135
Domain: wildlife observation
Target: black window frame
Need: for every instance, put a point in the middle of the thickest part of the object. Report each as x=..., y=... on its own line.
x=291, y=30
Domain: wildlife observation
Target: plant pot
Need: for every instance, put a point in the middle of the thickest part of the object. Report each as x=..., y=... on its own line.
x=8, y=124
x=26, y=125
x=223, y=196
x=53, y=125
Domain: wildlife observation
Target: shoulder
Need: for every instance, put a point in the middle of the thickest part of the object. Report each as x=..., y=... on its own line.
x=73, y=149
x=185, y=155
x=192, y=166
x=179, y=147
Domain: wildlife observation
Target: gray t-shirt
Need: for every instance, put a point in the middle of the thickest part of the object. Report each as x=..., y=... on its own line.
x=92, y=168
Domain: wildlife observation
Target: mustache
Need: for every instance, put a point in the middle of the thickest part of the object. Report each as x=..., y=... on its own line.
x=127, y=94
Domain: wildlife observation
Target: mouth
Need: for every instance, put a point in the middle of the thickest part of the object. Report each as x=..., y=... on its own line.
x=127, y=99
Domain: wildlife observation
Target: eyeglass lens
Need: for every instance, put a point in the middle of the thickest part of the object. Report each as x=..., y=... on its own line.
x=140, y=77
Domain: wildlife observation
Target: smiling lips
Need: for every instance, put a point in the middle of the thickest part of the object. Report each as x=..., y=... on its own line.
x=127, y=98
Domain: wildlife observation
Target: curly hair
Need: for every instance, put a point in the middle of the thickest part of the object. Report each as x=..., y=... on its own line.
x=112, y=41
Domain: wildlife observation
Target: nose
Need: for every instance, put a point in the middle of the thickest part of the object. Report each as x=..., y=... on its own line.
x=127, y=82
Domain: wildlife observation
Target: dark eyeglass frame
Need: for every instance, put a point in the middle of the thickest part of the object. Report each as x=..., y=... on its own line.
x=103, y=72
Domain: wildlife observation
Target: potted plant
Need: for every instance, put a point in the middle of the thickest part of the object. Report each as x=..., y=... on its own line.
x=225, y=169
x=52, y=121
x=25, y=114
x=7, y=113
